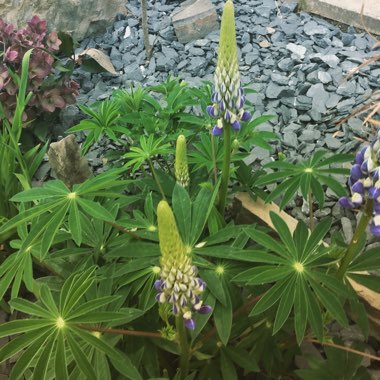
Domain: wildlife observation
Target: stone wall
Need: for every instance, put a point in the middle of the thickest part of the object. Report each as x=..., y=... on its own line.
x=78, y=17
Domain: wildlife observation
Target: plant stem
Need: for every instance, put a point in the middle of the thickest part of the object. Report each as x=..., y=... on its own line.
x=311, y=213
x=226, y=167
x=156, y=178
x=184, y=347
x=344, y=348
x=360, y=230
x=215, y=168
x=146, y=334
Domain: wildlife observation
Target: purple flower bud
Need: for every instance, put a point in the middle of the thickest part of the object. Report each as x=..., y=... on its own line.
x=190, y=324
x=227, y=116
x=377, y=207
x=246, y=116
x=358, y=187
x=158, y=285
x=236, y=125
x=359, y=157
x=363, y=168
x=217, y=131
x=375, y=175
x=356, y=172
x=375, y=230
x=222, y=106
x=205, y=309
x=211, y=111
x=374, y=193
x=345, y=202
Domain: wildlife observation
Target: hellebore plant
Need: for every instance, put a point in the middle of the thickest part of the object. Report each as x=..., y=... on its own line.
x=228, y=96
x=364, y=183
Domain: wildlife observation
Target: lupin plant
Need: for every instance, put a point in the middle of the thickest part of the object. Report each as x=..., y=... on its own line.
x=364, y=183
x=181, y=168
x=179, y=285
x=228, y=96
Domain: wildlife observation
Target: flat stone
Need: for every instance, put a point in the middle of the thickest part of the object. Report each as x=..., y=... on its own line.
x=298, y=50
x=333, y=100
x=332, y=142
x=286, y=64
x=195, y=19
x=324, y=77
x=311, y=28
x=290, y=139
x=273, y=90
x=319, y=96
x=346, y=88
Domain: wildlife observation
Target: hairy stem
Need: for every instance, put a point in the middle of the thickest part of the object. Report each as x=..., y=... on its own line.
x=184, y=347
x=153, y=170
x=226, y=167
x=360, y=230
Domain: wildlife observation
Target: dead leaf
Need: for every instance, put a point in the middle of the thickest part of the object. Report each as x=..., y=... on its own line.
x=97, y=55
x=265, y=44
x=270, y=30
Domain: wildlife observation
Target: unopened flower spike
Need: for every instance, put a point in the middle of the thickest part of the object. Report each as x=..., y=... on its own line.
x=181, y=168
x=179, y=285
x=364, y=182
x=228, y=96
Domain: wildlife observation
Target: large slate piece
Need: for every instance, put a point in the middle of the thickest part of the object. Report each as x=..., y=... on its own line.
x=194, y=20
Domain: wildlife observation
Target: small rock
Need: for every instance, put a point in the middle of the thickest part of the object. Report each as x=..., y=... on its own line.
x=311, y=28
x=324, y=77
x=319, y=96
x=298, y=50
x=332, y=142
x=273, y=90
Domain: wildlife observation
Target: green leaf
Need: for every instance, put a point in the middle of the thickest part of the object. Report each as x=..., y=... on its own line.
x=269, y=298
x=290, y=192
x=318, y=192
x=75, y=223
x=243, y=359
x=227, y=367
x=285, y=306
x=201, y=209
x=60, y=366
x=51, y=230
x=369, y=281
x=99, y=316
x=223, y=320
x=95, y=209
x=316, y=237
x=182, y=211
x=331, y=303
x=22, y=326
x=214, y=285
x=263, y=274
x=19, y=343
x=300, y=310
x=284, y=233
x=80, y=358
x=28, y=307
x=333, y=184
x=314, y=313
x=91, y=305
x=44, y=359
x=24, y=361
x=369, y=260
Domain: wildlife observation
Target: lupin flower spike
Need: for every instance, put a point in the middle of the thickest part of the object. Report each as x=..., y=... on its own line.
x=181, y=168
x=228, y=96
x=364, y=182
x=179, y=285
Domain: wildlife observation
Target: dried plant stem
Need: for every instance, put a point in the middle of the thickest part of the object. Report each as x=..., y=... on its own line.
x=344, y=348
x=226, y=167
x=144, y=20
x=360, y=230
x=124, y=230
x=107, y=330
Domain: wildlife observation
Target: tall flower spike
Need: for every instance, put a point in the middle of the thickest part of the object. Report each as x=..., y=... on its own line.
x=181, y=168
x=179, y=285
x=365, y=183
x=228, y=96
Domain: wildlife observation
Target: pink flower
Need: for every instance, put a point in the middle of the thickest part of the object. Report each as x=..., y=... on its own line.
x=10, y=55
x=53, y=41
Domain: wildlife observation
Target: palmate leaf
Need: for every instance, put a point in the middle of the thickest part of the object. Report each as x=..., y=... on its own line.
x=305, y=176
x=300, y=284
x=54, y=338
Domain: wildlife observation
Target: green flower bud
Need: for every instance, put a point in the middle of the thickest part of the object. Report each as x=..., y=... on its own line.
x=181, y=168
